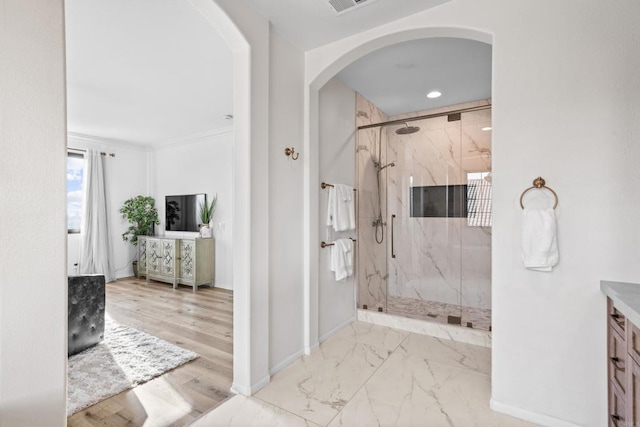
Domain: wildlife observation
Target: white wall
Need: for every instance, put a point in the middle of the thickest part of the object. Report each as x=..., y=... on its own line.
x=336, y=300
x=564, y=107
x=285, y=204
x=247, y=34
x=33, y=290
x=125, y=177
x=200, y=166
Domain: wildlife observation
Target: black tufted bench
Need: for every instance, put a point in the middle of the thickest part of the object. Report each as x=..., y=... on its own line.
x=86, y=312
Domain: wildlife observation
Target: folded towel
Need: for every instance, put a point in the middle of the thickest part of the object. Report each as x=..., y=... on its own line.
x=539, y=243
x=342, y=258
x=341, y=208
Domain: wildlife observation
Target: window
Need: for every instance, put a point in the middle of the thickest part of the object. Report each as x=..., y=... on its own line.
x=75, y=169
x=479, y=199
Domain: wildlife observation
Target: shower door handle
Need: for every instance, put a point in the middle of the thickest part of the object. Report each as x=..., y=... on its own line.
x=393, y=253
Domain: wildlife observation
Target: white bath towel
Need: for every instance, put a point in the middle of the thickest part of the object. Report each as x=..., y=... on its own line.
x=342, y=258
x=539, y=242
x=341, y=213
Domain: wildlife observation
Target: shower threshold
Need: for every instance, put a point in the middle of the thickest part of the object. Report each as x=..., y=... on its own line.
x=472, y=317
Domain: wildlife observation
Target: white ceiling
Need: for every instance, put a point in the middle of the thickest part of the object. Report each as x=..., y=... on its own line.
x=145, y=71
x=397, y=78
x=312, y=23
x=154, y=72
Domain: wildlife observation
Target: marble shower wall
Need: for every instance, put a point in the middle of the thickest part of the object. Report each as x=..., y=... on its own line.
x=372, y=257
x=439, y=259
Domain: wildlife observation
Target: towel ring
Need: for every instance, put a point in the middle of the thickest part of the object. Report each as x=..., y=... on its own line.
x=539, y=183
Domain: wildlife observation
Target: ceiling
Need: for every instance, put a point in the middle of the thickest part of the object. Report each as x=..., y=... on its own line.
x=312, y=23
x=154, y=72
x=145, y=71
x=397, y=78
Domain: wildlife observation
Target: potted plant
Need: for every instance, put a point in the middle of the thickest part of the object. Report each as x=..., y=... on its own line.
x=206, y=214
x=142, y=214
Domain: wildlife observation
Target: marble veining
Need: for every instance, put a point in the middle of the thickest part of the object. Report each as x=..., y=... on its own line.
x=412, y=391
x=472, y=336
x=420, y=381
x=433, y=311
x=444, y=260
x=318, y=386
x=372, y=257
x=241, y=411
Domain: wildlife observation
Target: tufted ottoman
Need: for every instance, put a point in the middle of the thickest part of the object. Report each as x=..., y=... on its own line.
x=86, y=312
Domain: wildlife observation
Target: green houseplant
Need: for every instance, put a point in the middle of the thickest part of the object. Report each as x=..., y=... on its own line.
x=141, y=213
x=206, y=212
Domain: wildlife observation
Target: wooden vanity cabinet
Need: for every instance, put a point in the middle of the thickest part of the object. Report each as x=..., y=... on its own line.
x=623, y=368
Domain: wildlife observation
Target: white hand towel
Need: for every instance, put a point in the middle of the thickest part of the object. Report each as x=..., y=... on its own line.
x=342, y=258
x=539, y=242
x=341, y=208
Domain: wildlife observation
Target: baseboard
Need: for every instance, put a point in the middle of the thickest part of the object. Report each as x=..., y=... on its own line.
x=338, y=328
x=286, y=362
x=248, y=391
x=260, y=384
x=308, y=350
x=244, y=391
x=534, y=417
x=223, y=286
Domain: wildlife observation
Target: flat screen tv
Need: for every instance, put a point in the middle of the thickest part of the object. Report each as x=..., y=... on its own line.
x=181, y=212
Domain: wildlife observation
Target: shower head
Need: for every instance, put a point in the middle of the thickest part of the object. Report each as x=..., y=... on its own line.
x=406, y=130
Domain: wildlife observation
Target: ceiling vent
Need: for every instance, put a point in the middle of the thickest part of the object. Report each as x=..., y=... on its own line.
x=344, y=6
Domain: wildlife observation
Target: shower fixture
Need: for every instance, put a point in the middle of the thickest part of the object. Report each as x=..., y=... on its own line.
x=406, y=130
x=392, y=164
x=378, y=166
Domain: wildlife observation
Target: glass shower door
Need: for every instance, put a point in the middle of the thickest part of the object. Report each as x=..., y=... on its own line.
x=426, y=212
x=371, y=205
x=476, y=231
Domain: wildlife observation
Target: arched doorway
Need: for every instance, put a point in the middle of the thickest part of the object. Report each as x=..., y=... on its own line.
x=316, y=80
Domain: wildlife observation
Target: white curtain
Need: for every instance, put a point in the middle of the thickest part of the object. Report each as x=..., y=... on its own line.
x=95, y=252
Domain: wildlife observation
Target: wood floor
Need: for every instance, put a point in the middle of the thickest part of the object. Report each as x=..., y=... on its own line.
x=201, y=322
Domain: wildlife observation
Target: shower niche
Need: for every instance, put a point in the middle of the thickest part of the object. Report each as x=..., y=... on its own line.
x=424, y=214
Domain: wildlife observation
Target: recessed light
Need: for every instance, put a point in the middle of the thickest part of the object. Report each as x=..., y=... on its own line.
x=434, y=94
x=487, y=128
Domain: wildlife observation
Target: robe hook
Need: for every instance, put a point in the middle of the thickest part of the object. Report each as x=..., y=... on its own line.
x=291, y=152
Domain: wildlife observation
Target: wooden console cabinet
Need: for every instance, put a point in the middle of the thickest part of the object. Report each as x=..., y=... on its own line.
x=176, y=261
x=623, y=368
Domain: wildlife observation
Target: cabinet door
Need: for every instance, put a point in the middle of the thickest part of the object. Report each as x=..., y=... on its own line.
x=616, y=318
x=187, y=260
x=142, y=255
x=632, y=396
x=617, y=408
x=168, y=258
x=633, y=341
x=617, y=360
x=154, y=256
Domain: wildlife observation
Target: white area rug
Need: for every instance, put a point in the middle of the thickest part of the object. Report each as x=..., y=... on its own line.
x=125, y=359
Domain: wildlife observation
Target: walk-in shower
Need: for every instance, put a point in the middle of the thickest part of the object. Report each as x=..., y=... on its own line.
x=424, y=214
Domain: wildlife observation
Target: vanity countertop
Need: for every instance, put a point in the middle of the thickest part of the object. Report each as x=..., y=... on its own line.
x=625, y=297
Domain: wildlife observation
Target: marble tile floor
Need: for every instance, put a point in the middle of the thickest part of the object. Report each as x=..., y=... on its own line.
x=438, y=311
x=370, y=375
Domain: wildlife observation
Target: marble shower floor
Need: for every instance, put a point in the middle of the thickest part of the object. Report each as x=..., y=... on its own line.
x=370, y=375
x=433, y=311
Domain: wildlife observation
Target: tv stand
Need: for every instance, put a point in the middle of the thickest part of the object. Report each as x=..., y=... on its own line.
x=177, y=261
